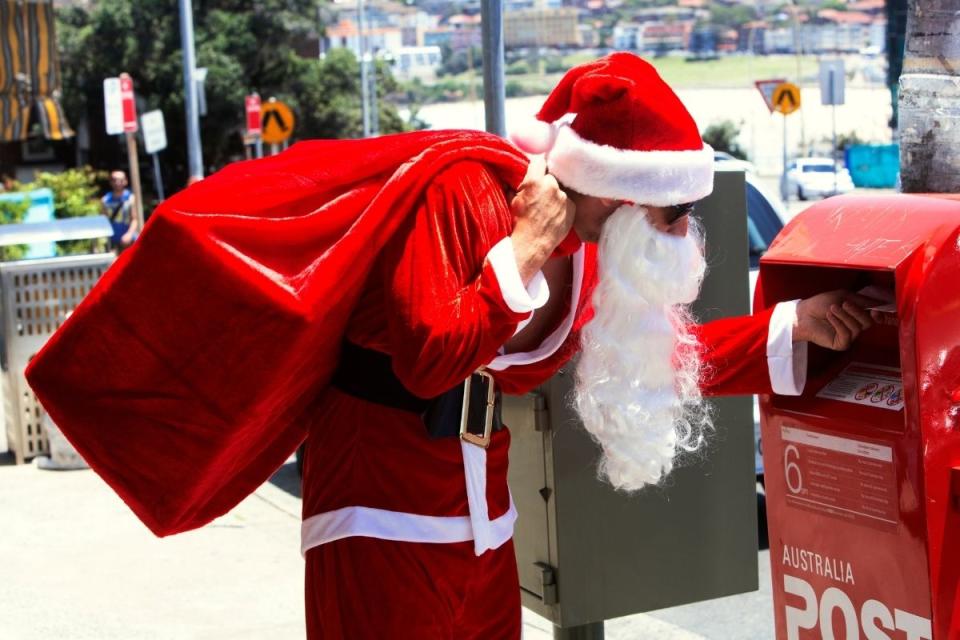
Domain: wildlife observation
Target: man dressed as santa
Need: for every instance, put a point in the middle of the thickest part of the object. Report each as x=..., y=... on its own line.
x=376, y=297
x=407, y=530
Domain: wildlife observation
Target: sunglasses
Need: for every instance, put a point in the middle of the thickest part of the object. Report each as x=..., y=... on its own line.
x=677, y=211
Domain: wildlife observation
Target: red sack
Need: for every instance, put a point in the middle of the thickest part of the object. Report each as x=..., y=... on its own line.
x=182, y=376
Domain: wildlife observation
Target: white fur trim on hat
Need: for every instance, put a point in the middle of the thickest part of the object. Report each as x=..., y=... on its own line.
x=657, y=178
x=534, y=136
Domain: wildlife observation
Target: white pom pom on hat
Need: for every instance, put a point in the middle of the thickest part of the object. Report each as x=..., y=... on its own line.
x=534, y=136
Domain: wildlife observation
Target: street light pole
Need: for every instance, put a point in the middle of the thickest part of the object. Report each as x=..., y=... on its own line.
x=194, y=151
x=364, y=82
x=491, y=22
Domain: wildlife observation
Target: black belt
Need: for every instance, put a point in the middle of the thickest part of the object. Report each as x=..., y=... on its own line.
x=368, y=375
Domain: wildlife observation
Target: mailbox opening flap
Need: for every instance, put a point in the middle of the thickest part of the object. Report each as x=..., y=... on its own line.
x=862, y=385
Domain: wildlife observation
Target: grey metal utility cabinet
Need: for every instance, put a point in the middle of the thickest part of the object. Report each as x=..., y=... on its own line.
x=587, y=553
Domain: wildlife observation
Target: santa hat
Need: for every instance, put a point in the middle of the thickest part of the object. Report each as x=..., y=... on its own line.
x=612, y=128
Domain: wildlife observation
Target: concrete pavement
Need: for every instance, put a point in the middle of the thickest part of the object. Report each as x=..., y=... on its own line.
x=75, y=564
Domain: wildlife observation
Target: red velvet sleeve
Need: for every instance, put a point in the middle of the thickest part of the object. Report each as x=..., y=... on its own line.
x=734, y=353
x=445, y=312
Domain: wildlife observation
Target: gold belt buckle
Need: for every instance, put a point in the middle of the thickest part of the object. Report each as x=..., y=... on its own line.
x=478, y=440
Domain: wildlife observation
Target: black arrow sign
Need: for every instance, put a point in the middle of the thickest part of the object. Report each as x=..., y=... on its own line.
x=275, y=115
x=787, y=95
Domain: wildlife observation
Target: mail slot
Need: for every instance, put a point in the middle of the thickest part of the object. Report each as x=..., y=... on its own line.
x=863, y=468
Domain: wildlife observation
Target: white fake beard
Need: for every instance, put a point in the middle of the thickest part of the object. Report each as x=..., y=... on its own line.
x=637, y=388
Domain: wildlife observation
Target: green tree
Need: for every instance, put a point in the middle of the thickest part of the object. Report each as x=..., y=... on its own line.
x=246, y=45
x=722, y=136
x=732, y=17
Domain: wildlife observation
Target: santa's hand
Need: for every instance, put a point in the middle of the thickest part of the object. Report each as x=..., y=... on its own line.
x=543, y=217
x=833, y=320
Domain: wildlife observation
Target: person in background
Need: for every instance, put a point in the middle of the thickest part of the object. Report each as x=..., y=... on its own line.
x=7, y=183
x=118, y=206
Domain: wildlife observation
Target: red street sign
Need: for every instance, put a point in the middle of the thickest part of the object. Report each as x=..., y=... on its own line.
x=129, y=106
x=252, y=104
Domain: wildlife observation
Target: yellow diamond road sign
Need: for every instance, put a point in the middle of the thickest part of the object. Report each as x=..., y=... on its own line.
x=276, y=121
x=786, y=98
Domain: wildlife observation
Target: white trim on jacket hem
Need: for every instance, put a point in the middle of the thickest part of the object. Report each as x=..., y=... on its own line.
x=399, y=526
x=519, y=298
x=786, y=359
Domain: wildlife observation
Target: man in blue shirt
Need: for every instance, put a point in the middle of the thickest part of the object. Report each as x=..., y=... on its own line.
x=118, y=206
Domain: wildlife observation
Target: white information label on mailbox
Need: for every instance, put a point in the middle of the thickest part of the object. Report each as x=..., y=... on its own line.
x=867, y=384
x=847, y=478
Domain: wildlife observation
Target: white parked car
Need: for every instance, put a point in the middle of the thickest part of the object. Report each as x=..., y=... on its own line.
x=814, y=177
x=725, y=161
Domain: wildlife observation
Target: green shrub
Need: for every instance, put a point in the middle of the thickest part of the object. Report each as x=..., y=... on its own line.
x=555, y=64
x=517, y=69
x=12, y=213
x=75, y=195
x=75, y=191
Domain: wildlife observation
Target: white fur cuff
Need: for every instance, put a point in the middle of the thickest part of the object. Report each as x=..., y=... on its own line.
x=520, y=299
x=786, y=359
x=657, y=178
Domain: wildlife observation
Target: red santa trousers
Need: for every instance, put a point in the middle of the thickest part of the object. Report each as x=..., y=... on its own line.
x=360, y=588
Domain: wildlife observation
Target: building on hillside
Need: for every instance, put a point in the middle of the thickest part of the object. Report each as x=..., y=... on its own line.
x=520, y=5
x=668, y=14
x=831, y=32
x=438, y=36
x=663, y=37
x=654, y=37
x=871, y=7
x=751, y=37
x=627, y=36
x=380, y=40
x=415, y=26
x=841, y=31
x=596, y=6
x=416, y=63
x=377, y=13
x=541, y=28
x=589, y=36
x=466, y=31
x=710, y=41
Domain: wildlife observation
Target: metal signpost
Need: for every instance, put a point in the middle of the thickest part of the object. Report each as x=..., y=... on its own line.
x=254, y=132
x=194, y=151
x=832, y=94
x=494, y=89
x=786, y=100
x=120, y=113
x=368, y=78
x=154, y=141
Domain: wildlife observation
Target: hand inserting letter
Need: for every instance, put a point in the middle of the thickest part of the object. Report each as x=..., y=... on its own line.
x=835, y=319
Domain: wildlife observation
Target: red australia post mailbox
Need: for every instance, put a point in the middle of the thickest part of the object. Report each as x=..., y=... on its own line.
x=863, y=469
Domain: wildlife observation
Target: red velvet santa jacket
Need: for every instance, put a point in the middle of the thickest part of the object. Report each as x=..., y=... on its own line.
x=443, y=298
x=186, y=377
x=443, y=301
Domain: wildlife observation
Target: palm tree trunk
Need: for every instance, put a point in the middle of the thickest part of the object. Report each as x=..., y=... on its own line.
x=929, y=101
